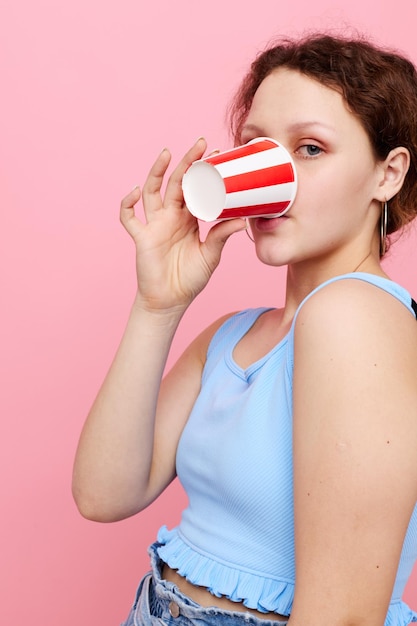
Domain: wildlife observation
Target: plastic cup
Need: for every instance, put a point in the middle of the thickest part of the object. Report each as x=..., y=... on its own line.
x=255, y=180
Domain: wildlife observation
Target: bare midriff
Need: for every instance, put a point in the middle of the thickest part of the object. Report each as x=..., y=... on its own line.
x=203, y=597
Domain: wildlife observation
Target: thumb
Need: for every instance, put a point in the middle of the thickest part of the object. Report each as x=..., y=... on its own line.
x=217, y=237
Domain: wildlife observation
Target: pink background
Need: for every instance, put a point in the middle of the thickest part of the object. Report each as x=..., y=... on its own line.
x=91, y=92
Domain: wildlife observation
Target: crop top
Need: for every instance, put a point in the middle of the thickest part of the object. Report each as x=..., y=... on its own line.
x=234, y=460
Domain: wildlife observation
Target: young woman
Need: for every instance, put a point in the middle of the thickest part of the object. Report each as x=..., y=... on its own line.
x=293, y=430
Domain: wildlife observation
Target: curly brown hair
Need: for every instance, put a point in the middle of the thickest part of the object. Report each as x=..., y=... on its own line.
x=379, y=86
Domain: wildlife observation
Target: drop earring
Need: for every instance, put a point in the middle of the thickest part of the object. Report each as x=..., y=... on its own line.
x=383, y=229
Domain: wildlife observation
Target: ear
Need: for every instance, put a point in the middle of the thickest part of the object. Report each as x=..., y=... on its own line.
x=393, y=170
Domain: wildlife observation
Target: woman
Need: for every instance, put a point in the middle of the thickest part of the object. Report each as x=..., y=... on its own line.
x=293, y=430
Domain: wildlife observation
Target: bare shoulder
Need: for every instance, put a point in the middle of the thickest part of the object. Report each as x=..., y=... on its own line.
x=356, y=315
x=355, y=358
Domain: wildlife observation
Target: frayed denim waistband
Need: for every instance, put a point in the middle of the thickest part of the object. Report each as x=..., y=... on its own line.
x=160, y=602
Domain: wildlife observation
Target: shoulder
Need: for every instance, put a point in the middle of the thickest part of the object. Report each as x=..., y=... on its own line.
x=199, y=347
x=353, y=306
x=197, y=351
x=353, y=330
x=228, y=329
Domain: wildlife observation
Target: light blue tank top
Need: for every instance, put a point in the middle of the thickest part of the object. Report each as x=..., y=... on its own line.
x=234, y=460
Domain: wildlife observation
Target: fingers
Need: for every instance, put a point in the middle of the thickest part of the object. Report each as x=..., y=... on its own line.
x=173, y=194
x=151, y=191
x=127, y=212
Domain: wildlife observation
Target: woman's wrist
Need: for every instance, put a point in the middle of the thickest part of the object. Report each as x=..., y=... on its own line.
x=159, y=316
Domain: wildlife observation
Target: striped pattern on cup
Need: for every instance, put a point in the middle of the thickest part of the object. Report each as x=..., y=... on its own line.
x=257, y=179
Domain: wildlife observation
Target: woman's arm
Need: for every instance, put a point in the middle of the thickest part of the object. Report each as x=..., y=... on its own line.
x=126, y=453
x=355, y=463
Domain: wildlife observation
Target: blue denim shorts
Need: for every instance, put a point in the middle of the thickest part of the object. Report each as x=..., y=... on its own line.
x=160, y=603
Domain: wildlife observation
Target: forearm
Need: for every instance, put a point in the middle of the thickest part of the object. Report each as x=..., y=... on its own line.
x=114, y=456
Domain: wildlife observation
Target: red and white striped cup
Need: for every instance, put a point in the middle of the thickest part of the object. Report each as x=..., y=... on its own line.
x=254, y=180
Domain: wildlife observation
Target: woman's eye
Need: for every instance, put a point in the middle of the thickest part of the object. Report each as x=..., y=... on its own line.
x=309, y=150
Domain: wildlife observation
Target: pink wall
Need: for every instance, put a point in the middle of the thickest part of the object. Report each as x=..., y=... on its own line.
x=91, y=91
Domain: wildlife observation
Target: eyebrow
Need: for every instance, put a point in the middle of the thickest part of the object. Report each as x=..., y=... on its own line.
x=309, y=124
x=251, y=128
x=293, y=127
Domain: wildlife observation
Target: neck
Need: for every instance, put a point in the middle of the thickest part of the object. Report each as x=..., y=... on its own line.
x=303, y=277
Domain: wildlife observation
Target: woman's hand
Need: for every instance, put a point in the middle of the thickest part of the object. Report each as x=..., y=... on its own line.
x=173, y=265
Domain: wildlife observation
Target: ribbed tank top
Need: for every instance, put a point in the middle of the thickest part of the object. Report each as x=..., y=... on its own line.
x=234, y=460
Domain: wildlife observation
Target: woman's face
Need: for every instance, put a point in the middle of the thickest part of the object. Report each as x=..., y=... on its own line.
x=335, y=213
